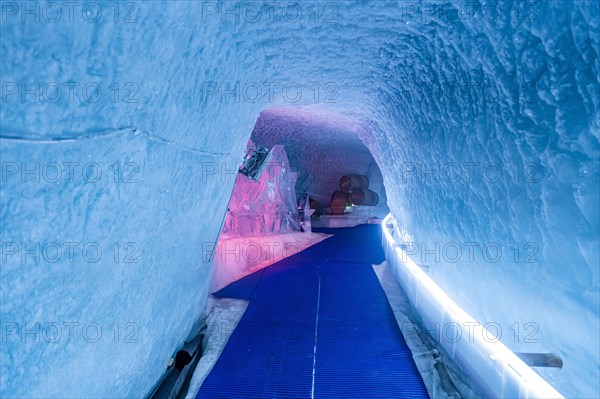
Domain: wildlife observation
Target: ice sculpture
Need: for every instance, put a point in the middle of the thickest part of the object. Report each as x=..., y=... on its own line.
x=266, y=203
x=263, y=224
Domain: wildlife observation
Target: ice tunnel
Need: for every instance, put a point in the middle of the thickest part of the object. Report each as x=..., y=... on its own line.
x=149, y=149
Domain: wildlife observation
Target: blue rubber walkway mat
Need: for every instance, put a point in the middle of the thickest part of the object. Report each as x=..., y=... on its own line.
x=318, y=325
x=357, y=244
x=242, y=288
x=270, y=353
x=361, y=352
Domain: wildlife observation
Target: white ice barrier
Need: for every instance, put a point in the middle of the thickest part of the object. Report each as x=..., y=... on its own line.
x=496, y=370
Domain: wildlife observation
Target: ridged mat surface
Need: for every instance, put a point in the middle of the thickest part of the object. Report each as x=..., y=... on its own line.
x=318, y=325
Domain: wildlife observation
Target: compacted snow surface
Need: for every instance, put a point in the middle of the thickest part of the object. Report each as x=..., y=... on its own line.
x=122, y=129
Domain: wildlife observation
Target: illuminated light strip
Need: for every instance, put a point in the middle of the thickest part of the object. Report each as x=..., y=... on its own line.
x=494, y=368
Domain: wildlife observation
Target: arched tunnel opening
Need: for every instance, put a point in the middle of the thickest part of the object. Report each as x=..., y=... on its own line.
x=300, y=199
x=323, y=147
x=302, y=168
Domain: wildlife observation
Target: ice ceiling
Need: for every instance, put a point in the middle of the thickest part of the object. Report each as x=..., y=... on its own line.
x=482, y=116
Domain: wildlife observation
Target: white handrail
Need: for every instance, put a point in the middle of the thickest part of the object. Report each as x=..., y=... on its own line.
x=494, y=368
